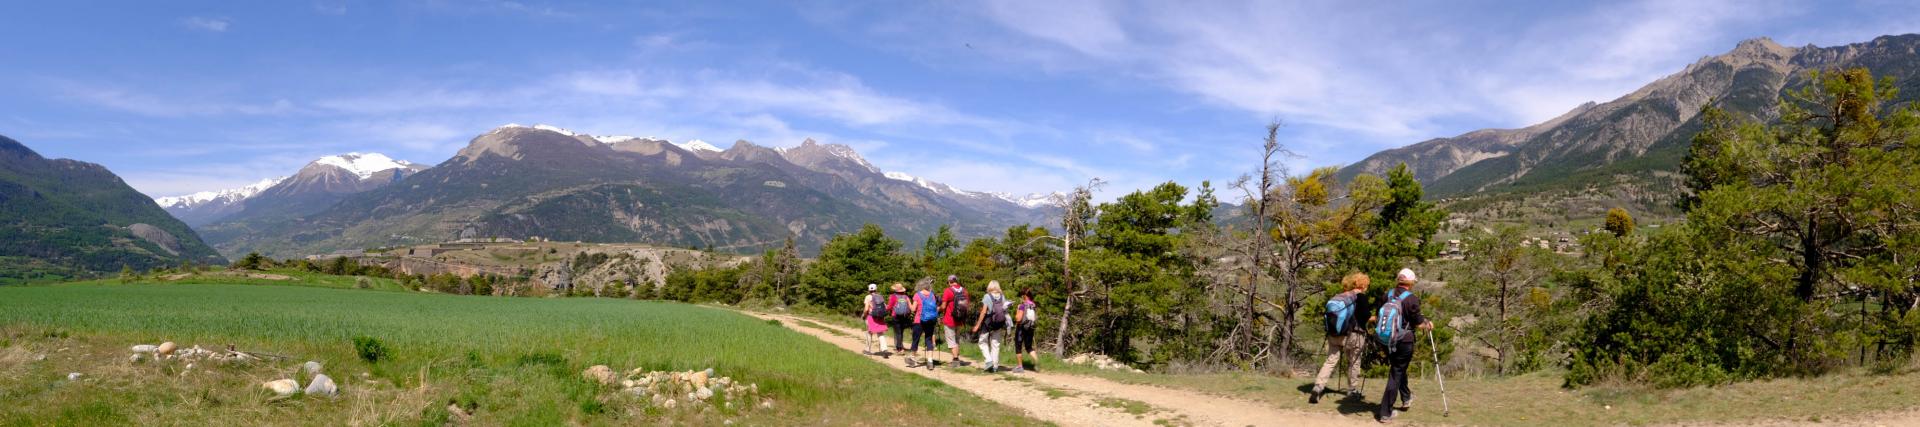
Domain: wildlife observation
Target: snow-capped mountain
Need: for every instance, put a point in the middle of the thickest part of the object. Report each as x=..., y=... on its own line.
x=364, y=165
x=206, y=206
x=227, y=196
x=337, y=174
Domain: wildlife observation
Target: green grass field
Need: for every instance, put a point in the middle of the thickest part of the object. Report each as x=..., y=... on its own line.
x=511, y=361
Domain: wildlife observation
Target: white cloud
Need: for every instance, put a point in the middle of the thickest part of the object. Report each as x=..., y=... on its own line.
x=166, y=106
x=216, y=25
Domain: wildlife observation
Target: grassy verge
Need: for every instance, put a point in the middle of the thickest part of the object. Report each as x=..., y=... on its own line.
x=510, y=361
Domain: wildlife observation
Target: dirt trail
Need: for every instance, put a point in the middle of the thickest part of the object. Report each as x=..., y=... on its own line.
x=1075, y=400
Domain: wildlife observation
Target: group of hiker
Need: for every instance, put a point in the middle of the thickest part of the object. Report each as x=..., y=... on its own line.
x=914, y=316
x=1391, y=324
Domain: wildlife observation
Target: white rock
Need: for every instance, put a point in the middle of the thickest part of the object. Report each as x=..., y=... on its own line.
x=137, y=358
x=669, y=404
x=322, y=386
x=282, y=387
x=73, y=376
x=766, y=404
x=704, y=393
x=145, y=348
x=600, y=373
x=311, y=368
x=166, y=348
x=626, y=383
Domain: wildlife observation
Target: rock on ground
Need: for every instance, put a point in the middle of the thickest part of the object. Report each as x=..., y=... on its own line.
x=322, y=386
x=311, y=368
x=600, y=373
x=166, y=348
x=282, y=387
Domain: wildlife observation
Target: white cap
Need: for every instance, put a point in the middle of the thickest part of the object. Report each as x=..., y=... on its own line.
x=872, y=287
x=1406, y=275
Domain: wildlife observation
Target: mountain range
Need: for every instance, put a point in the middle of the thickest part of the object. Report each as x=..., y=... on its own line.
x=1639, y=139
x=541, y=181
x=63, y=218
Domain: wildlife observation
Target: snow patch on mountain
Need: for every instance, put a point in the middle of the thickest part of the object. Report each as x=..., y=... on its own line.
x=363, y=164
x=616, y=138
x=227, y=196
x=698, y=145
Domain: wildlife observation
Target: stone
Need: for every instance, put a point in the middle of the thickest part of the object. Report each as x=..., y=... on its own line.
x=166, y=348
x=626, y=383
x=73, y=376
x=600, y=373
x=458, y=413
x=637, y=391
x=145, y=348
x=669, y=404
x=284, y=387
x=699, y=379
x=322, y=386
x=704, y=394
x=311, y=368
x=137, y=358
x=766, y=404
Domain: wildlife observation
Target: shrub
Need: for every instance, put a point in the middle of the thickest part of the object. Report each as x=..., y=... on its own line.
x=362, y=283
x=370, y=349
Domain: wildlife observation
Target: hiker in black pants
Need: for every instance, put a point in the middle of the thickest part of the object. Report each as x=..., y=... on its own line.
x=1405, y=313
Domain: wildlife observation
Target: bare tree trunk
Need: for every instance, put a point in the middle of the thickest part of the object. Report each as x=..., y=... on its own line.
x=1066, y=310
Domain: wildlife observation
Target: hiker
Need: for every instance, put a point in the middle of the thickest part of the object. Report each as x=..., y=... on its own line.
x=991, y=325
x=953, y=305
x=1025, y=319
x=1345, y=337
x=876, y=314
x=1398, y=314
x=926, y=311
x=900, y=316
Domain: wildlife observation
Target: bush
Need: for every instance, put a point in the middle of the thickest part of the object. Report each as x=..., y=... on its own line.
x=362, y=283
x=370, y=349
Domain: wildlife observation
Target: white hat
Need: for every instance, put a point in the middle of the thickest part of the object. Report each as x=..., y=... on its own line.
x=1406, y=275
x=872, y=287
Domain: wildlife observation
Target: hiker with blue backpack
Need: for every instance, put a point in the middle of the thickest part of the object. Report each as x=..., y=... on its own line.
x=1346, y=338
x=1395, y=321
x=926, y=311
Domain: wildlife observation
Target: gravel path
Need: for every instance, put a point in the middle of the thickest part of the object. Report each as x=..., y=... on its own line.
x=1076, y=400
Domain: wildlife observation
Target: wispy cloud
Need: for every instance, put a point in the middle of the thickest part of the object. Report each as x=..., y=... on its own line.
x=149, y=104
x=202, y=23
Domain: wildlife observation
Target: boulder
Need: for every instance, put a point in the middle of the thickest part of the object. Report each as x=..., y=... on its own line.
x=165, y=348
x=322, y=386
x=284, y=387
x=145, y=348
x=699, y=379
x=599, y=373
x=311, y=368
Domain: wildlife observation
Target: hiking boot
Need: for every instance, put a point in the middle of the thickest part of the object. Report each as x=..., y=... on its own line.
x=1356, y=394
x=1018, y=370
x=1388, y=418
x=1314, y=398
x=1406, y=404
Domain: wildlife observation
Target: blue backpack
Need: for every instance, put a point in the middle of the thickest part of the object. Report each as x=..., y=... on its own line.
x=1340, y=310
x=1392, y=327
x=929, y=309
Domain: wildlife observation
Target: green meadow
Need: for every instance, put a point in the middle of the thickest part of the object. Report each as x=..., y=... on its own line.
x=485, y=360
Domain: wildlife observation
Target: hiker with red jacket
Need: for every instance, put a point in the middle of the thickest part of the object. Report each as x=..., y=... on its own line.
x=953, y=304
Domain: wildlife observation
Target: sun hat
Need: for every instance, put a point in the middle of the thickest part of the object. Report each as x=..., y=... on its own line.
x=1406, y=275
x=872, y=287
x=897, y=287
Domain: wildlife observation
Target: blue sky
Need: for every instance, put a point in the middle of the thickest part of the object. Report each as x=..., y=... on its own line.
x=1013, y=96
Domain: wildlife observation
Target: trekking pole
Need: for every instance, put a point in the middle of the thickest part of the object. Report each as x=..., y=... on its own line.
x=1446, y=411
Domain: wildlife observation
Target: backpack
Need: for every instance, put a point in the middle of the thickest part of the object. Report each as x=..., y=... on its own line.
x=1028, y=315
x=1392, y=326
x=962, y=308
x=879, y=313
x=1339, y=311
x=929, y=309
x=996, y=313
x=901, y=312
